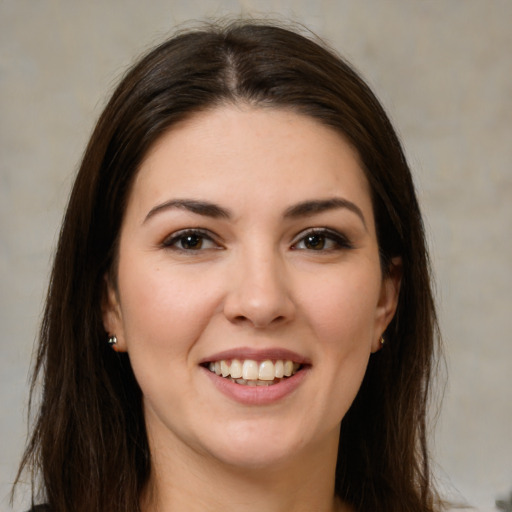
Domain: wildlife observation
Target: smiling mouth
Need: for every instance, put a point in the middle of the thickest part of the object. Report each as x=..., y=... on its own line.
x=248, y=372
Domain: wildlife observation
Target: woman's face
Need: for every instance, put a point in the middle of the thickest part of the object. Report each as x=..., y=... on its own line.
x=248, y=249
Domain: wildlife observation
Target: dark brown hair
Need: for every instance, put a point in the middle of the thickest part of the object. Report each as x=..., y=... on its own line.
x=89, y=445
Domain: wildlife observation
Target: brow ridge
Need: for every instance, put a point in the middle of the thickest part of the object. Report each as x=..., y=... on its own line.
x=302, y=209
x=204, y=208
x=316, y=206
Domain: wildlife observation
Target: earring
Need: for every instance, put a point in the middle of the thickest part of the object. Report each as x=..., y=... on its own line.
x=382, y=340
x=112, y=341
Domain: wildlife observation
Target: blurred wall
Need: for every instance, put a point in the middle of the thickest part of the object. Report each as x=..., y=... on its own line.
x=443, y=69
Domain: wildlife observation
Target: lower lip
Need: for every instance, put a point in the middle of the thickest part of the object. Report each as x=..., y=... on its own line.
x=257, y=395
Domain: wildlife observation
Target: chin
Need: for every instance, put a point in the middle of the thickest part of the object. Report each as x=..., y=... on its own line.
x=261, y=446
x=257, y=457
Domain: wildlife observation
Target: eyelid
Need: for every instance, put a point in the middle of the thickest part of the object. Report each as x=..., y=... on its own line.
x=173, y=238
x=342, y=241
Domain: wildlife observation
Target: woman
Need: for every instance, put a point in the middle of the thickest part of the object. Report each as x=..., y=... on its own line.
x=240, y=314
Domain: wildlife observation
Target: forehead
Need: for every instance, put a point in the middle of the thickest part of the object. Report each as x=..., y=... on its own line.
x=233, y=153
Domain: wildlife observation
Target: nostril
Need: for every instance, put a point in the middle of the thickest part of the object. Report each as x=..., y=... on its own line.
x=259, y=309
x=256, y=323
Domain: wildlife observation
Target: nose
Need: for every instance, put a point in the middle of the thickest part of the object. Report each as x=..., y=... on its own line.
x=259, y=292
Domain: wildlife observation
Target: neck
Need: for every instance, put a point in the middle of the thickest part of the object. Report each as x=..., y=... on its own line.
x=187, y=480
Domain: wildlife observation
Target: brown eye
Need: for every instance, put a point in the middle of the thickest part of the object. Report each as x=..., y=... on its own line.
x=322, y=239
x=191, y=242
x=315, y=242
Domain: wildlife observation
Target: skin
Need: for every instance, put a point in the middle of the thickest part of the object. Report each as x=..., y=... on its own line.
x=256, y=282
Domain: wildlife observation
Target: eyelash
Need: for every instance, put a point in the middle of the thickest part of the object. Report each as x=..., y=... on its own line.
x=323, y=235
x=202, y=235
x=339, y=240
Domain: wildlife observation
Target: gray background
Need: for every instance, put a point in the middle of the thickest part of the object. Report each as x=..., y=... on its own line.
x=443, y=69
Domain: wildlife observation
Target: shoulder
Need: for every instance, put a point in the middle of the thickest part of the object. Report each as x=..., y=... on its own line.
x=40, y=508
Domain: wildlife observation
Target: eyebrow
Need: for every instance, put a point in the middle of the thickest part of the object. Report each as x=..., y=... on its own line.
x=204, y=208
x=299, y=210
x=307, y=208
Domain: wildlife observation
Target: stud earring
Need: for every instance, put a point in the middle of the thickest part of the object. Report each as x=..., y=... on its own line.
x=112, y=341
x=382, y=340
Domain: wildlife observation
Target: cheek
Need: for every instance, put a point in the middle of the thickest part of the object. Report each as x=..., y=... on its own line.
x=164, y=314
x=341, y=313
x=165, y=311
x=342, y=307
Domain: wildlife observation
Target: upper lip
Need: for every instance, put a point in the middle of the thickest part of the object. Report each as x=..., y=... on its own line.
x=273, y=354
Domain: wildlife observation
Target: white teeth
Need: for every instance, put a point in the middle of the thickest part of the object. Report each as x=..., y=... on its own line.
x=224, y=368
x=253, y=382
x=279, y=369
x=250, y=370
x=236, y=369
x=288, y=368
x=266, y=371
x=252, y=373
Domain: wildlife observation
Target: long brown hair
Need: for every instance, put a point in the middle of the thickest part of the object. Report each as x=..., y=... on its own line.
x=89, y=447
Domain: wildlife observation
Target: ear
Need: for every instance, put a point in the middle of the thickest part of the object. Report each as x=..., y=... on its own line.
x=111, y=314
x=388, y=300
